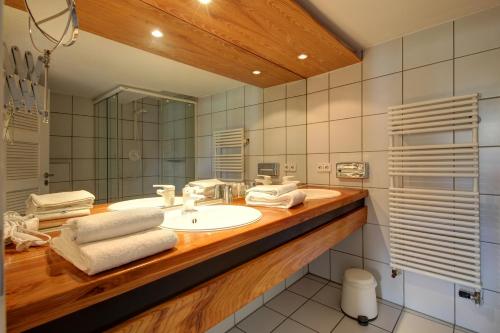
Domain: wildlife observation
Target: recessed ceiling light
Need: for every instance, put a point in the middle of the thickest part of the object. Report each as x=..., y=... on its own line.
x=205, y=2
x=302, y=56
x=256, y=72
x=157, y=33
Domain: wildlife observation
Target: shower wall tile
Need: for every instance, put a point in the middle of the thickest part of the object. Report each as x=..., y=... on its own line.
x=429, y=82
x=345, y=135
x=275, y=141
x=204, y=105
x=219, y=102
x=235, y=98
x=382, y=92
x=296, y=88
x=204, y=125
x=345, y=101
x=316, y=135
x=296, y=140
x=375, y=136
x=254, y=117
x=83, y=126
x=478, y=73
x=255, y=144
x=274, y=114
x=383, y=59
x=253, y=95
x=317, y=107
x=274, y=93
x=345, y=75
x=60, y=103
x=317, y=83
x=236, y=118
x=219, y=121
x=60, y=124
x=296, y=110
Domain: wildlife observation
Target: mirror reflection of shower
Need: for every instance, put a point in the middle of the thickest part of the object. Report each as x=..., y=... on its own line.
x=148, y=139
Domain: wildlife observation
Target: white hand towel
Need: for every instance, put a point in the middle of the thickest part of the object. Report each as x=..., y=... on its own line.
x=204, y=183
x=60, y=199
x=113, y=224
x=286, y=200
x=275, y=190
x=61, y=214
x=96, y=257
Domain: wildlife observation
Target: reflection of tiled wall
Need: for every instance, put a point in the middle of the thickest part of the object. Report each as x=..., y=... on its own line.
x=346, y=120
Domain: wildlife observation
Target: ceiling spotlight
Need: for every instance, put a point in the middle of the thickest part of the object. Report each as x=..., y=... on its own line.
x=302, y=56
x=205, y=2
x=256, y=72
x=157, y=33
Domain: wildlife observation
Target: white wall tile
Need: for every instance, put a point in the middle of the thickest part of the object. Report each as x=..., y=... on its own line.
x=147, y=184
x=274, y=114
x=235, y=98
x=131, y=169
x=83, y=169
x=236, y=118
x=60, y=187
x=296, y=88
x=344, y=157
x=429, y=82
x=219, y=121
x=204, y=105
x=251, y=163
x=345, y=101
x=83, y=126
x=151, y=148
x=345, y=135
x=301, y=167
x=256, y=142
x=378, y=176
x=254, y=117
x=204, y=145
x=317, y=83
x=87, y=185
x=345, y=75
x=321, y=265
x=296, y=139
x=429, y=295
x=489, y=177
x=61, y=103
x=317, y=138
x=83, y=148
x=382, y=92
x=428, y=46
x=376, y=242
x=275, y=141
x=150, y=130
x=248, y=309
x=383, y=59
x=490, y=266
x=489, y=208
x=340, y=262
x=274, y=93
x=478, y=32
x=484, y=318
x=61, y=172
x=60, y=124
x=296, y=113
x=317, y=107
x=353, y=244
x=378, y=206
x=203, y=168
x=219, y=102
x=388, y=288
x=204, y=125
x=83, y=106
x=375, y=133
x=150, y=167
x=253, y=95
x=478, y=73
x=489, y=111
x=314, y=177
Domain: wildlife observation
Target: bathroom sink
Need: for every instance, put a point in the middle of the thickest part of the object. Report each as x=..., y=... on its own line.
x=156, y=202
x=211, y=218
x=319, y=193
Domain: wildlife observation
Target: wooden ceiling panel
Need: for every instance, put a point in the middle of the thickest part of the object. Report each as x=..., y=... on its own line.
x=131, y=22
x=277, y=30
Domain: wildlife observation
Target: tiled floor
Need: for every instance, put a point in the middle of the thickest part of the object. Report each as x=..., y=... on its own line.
x=312, y=304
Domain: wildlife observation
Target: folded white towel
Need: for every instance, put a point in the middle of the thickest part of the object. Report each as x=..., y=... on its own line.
x=61, y=213
x=96, y=257
x=286, y=200
x=113, y=224
x=275, y=190
x=60, y=199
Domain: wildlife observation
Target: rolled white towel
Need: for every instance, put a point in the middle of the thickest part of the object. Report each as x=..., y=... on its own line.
x=275, y=190
x=286, y=200
x=96, y=257
x=61, y=199
x=113, y=224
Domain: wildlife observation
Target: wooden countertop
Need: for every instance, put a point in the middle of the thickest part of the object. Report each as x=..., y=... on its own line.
x=41, y=286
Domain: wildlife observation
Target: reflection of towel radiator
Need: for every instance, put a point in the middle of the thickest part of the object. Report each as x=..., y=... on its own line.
x=435, y=231
x=228, y=162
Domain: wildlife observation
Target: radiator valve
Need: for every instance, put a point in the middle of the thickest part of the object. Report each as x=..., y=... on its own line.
x=474, y=296
x=395, y=272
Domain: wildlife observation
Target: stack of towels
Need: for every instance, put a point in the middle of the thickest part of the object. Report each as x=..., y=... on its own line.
x=60, y=205
x=280, y=196
x=99, y=242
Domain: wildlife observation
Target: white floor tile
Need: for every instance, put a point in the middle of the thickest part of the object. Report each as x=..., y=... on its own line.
x=290, y=326
x=235, y=330
x=411, y=323
x=286, y=303
x=296, y=276
x=329, y=296
x=274, y=291
x=317, y=278
x=306, y=287
x=317, y=316
x=248, y=309
x=261, y=321
x=387, y=317
x=347, y=325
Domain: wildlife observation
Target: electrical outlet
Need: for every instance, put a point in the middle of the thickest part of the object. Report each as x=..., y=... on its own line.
x=323, y=167
x=319, y=167
x=292, y=167
x=327, y=167
x=286, y=167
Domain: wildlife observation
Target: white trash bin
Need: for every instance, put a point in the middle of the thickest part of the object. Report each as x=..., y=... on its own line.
x=359, y=300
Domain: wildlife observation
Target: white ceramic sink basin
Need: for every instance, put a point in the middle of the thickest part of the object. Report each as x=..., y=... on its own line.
x=211, y=218
x=319, y=193
x=156, y=202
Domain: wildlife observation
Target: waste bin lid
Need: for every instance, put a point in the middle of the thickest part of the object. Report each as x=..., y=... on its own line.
x=359, y=277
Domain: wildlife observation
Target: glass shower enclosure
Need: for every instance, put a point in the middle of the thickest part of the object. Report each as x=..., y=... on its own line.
x=147, y=139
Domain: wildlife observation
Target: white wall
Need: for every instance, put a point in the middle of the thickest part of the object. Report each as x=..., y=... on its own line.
x=341, y=116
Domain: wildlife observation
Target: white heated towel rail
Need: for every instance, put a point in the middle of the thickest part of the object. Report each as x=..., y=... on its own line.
x=435, y=231
x=228, y=161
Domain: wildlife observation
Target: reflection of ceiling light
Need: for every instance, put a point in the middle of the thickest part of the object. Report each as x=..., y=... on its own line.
x=157, y=33
x=205, y=2
x=256, y=72
x=302, y=56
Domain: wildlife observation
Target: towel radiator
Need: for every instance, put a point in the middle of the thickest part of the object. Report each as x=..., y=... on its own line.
x=228, y=157
x=435, y=232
